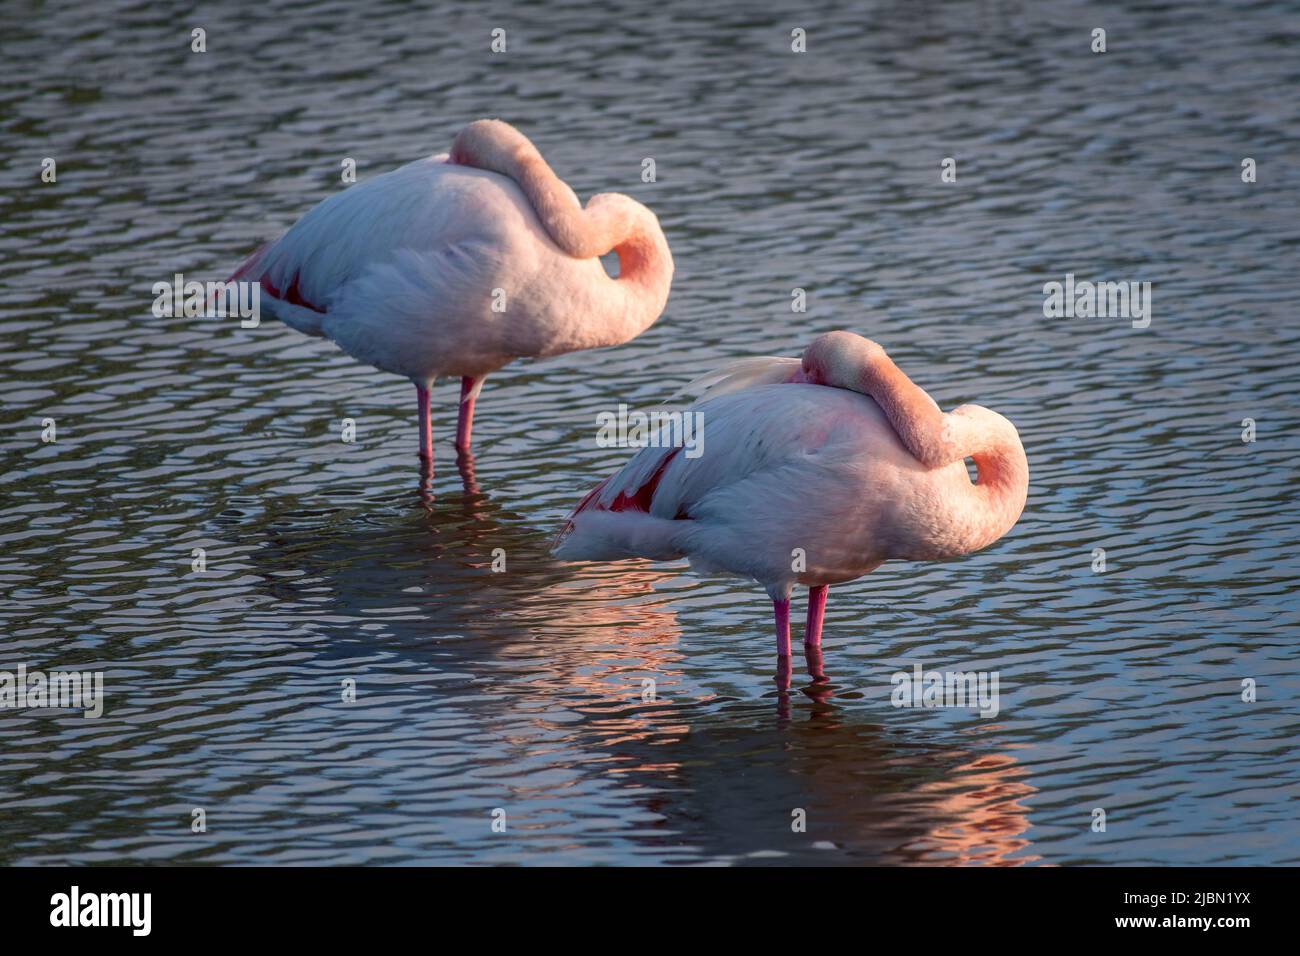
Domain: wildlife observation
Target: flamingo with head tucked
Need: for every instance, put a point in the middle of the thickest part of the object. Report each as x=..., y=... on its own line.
x=814, y=472
x=457, y=264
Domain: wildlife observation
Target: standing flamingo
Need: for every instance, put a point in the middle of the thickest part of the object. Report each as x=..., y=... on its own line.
x=840, y=459
x=459, y=263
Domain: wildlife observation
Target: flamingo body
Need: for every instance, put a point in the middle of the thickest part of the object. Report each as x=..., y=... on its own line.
x=804, y=480
x=456, y=268
x=400, y=271
x=785, y=467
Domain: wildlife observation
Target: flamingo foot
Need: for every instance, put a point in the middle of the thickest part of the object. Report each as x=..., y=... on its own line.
x=820, y=689
x=812, y=633
x=816, y=663
x=469, y=387
x=784, y=671
x=426, y=432
x=425, y=487
x=782, y=611
x=469, y=481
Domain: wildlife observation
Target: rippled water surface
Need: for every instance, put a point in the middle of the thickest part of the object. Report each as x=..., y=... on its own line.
x=523, y=689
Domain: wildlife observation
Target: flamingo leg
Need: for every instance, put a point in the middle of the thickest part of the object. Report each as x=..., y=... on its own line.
x=782, y=611
x=812, y=633
x=465, y=423
x=426, y=433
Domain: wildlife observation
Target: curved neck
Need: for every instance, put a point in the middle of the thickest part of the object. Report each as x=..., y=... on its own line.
x=1000, y=491
x=611, y=221
x=935, y=439
x=645, y=265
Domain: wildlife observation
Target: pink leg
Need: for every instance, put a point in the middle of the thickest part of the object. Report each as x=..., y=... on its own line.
x=426, y=433
x=812, y=634
x=465, y=424
x=782, y=609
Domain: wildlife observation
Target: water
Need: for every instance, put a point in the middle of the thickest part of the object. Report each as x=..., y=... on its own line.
x=522, y=690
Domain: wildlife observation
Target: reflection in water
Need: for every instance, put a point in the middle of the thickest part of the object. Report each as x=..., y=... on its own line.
x=732, y=786
x=468, y=479
x=989, y=821
x=860, y=795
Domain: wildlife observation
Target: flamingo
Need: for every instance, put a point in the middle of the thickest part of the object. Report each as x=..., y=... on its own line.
x=815, y=472
x=459, y=263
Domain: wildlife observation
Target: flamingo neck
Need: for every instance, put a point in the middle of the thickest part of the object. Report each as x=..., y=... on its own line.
x=610, y=222
x=645, y=264
x=984, y=510
x=998, y=495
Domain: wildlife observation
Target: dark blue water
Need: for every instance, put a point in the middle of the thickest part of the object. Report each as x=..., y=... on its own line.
x=522, y=690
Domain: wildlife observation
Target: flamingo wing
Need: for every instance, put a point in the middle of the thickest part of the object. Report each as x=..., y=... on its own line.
x=781, y=466
x=741, y=374
x=430, y=240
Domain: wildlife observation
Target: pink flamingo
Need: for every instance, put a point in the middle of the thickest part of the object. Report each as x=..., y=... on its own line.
x=459, y=263
x=813, y=473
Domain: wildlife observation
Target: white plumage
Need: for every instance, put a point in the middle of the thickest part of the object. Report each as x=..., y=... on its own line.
x=813, y=473
x=449, y=267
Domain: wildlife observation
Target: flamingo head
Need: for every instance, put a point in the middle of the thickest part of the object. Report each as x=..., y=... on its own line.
x=840, y=360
